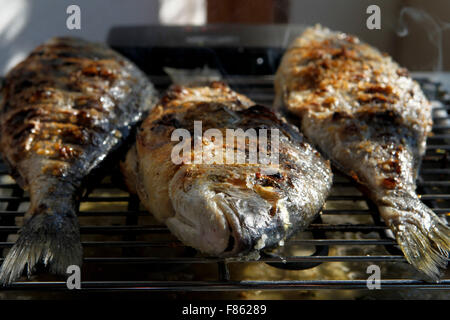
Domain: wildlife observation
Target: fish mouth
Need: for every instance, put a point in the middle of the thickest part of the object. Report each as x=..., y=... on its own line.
x=222, y=223
x=252, y=226
x=198, y=222
x=237, y=241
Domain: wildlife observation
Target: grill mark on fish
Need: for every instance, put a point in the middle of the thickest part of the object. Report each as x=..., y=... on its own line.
x=225, y=209
x=364, y=113
x=66, y=133
x=64, y=109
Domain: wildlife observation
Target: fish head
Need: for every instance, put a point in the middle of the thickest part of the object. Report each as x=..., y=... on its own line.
x=226, y=212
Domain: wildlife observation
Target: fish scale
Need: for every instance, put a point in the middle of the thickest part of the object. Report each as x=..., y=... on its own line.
x=225, y=209
x=364, y=112
x=63, y=110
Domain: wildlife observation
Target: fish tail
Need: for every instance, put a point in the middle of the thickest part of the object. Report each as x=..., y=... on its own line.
x=48, y=236
x=423, y=237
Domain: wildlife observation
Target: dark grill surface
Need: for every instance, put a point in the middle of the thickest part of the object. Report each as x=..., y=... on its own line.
x=126, y=250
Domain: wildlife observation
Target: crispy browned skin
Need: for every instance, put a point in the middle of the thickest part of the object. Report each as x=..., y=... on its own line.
x=62, y=110
x=367, y=115
x=225, y=209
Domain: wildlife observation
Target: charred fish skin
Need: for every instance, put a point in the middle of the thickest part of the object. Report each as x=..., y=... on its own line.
x=65, y=108
x=225, y=209
x=371, y=119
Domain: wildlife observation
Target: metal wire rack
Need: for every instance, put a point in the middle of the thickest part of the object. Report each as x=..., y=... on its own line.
x=125, y=250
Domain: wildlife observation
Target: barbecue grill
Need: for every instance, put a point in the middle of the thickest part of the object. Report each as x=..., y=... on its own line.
x=126, y=250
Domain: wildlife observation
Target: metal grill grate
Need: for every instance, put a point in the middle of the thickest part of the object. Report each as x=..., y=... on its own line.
x=125, y=248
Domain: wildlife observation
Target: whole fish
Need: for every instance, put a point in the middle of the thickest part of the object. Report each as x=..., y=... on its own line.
x=371, y=119
x=62, y=111
x=227, y=208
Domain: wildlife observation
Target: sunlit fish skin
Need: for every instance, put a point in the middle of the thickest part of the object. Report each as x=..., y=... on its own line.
x=62, y=111
x=225, y=209
x=370, y=118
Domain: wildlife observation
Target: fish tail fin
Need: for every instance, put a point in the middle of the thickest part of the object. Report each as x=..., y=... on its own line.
x=50, y=238
x=423, y=237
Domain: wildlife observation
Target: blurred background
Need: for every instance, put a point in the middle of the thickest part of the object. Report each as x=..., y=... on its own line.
x=415, y=32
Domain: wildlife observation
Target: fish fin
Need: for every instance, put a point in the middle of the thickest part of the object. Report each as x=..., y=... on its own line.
x=425, y=245
x=49, y=238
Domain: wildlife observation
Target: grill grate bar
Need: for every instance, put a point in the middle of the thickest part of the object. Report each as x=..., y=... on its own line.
x=163, y=229
x=176, y=243
x=202, y=260
x=145, y=213
x=435, y=171
x=337, y=184
x=144, y=286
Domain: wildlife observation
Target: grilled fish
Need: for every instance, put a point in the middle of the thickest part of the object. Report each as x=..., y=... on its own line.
x=371, y=119
x=225, y=208
x=62, y=111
